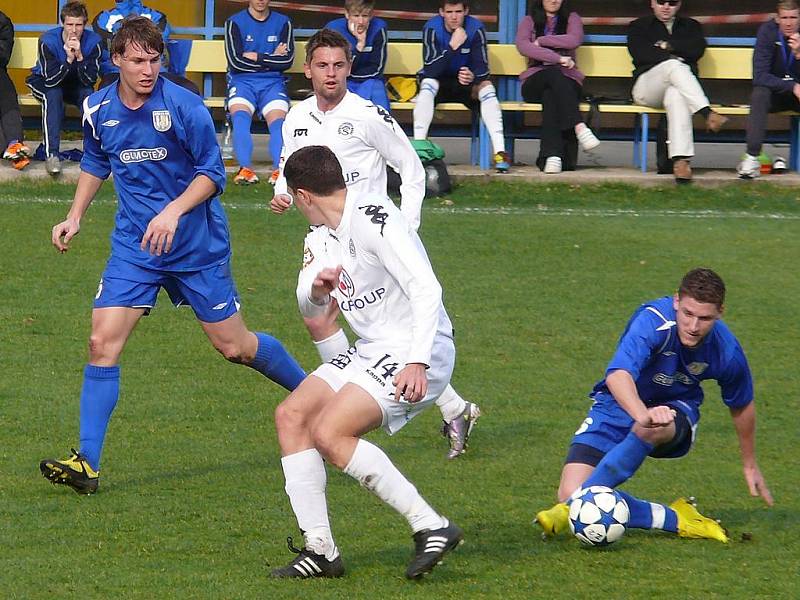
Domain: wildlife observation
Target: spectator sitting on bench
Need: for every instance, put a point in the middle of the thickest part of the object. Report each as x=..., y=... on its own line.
x=456, y=69
x=108, y=22
x=368, y=39
x=776, y=73
x=665, y=49
x=549, y=37
x=10, y=118
x=65, y=71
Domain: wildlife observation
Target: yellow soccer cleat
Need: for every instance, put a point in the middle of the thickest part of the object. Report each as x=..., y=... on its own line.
x=74, y=471
x=691, y=524
x=553, y=521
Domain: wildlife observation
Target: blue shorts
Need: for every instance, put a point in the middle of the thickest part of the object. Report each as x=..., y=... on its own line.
x=261, y=94
x=373, y=89
x=607, y=424
x=211, y=292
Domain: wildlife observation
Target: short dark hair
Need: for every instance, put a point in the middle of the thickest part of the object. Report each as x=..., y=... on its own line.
x=138, y=31
x=786, y=5
x=464, y=2
x=316, y=169
x=74, y=9
x=327, y=38
x=704, y=285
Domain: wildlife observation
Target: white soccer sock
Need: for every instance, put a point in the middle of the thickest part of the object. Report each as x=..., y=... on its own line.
x=373, y=469
x=492, y=116
x=305, y=485
x=451, y=404
x=423, y=108
x=332, y=346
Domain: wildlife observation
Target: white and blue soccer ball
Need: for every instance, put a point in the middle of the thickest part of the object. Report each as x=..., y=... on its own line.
x=598, y=515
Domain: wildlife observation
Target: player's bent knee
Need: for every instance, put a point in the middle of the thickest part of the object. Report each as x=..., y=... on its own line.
x=288, y=418
x=232, y=352
x=103, y=350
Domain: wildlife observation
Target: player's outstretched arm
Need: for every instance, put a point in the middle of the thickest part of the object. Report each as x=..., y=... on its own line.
x=87, y=188
x=161, y=229
x=744, y=420
x=622, y=386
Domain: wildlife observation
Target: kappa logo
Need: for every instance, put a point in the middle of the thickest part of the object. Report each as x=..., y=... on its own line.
x=162, y=120
x=375, y=214
x=346, y=129
x=301, y=132
x=111, y=123
x=346, y=285
x=315, y=117
x=136, y=155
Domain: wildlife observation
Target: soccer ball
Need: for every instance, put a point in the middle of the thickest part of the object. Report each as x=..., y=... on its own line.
x=598, y=515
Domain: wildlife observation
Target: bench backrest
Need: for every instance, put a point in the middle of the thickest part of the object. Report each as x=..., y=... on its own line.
x=405, y=58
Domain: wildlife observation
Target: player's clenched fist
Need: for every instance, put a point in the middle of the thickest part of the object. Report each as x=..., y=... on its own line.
x=325, y=282
x=64, y=232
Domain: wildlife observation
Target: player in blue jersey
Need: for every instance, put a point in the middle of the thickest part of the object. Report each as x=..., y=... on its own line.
x=648, y=404
x=455, y=68
x=368, y=39
x=259, y=44
x=170, y=232
x=65, y=71
x=108, y=22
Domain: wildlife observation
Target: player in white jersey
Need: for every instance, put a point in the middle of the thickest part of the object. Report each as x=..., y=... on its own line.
x=373, y=263
x=365, y=138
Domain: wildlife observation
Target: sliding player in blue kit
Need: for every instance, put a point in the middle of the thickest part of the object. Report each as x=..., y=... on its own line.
x=648, y=404
x=158, y=140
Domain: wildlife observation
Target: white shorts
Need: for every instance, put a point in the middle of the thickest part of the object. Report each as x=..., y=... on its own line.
x=372, y=368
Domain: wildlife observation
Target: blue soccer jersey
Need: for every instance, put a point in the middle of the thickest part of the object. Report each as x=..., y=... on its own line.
x=440, y=60
x=666, y=371
x=154, y=153
x=52, y=66
x=244, y=33
x=108, y=22
x=371, y=60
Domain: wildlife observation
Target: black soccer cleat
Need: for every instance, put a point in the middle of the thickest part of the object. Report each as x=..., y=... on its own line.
x=430, y=547
x=308, y=564
x=74, y=471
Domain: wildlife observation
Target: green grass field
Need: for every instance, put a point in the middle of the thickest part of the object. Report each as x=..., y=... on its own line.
x=539, y=282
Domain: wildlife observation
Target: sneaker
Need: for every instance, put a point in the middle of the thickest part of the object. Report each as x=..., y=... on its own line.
x=307, y=564
x=715, y=121
x=552, y=165
x=74, y=471
x=16, y=150
x=458, y=430
x=53, y=165
x=553, y=521
x=273, y=179
x=691, y=524
x=682, y=169
x=779, y=165
x=749, y=168
x=430, y=547
x=245, y=176
x=20, y=163
x=587, y=139
x=502, y=162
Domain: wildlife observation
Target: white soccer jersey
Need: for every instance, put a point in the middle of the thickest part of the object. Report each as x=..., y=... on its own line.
x=387, y=289
x=365, y=138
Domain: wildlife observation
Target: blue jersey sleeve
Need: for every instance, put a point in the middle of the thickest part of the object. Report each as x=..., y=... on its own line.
x=53, y=69
x=436, y=55
x=736, y=381
x=200, y=141
x=643, y=337
x=95, y=160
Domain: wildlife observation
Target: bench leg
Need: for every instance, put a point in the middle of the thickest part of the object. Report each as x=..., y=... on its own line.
x=645, y=122
x=637, y=140
x=794, y=144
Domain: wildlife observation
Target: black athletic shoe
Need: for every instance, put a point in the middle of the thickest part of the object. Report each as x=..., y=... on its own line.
x=431, y=546
x=307, y=564
x=74, y=471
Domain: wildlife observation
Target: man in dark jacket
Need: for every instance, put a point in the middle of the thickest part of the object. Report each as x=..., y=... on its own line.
x=665, y=49
x=10, y=119
x=776, y=73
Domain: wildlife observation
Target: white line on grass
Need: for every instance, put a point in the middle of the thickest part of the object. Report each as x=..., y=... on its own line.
x=538, y=209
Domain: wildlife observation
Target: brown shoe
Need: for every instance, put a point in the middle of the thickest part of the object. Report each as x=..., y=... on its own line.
x=682, y=170
x=715, y=121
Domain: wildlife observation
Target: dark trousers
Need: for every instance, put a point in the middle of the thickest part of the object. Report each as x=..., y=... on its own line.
x=762, y=102
x=559, y=96
x=71, y=91
x=10, y=118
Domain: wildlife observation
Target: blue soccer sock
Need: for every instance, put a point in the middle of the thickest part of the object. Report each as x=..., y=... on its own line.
x=273, y=361
x=99, y=396
x=620, y=463
x=276, y=141
x=649, y=515
x=242, y=140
